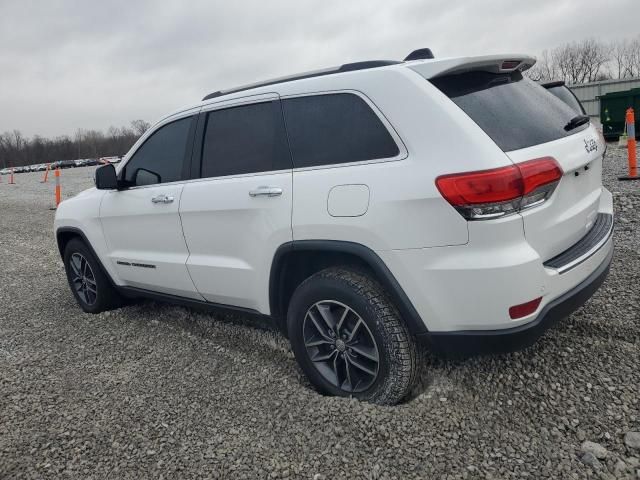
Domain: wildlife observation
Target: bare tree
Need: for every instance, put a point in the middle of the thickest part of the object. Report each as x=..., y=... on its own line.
x=593, y=58
x=544, y=69
x=633, y=58
x=5, y=148
x=575, y=62
x=619, y=57
x=625, y=57
x=140, y=126
x=17, y=150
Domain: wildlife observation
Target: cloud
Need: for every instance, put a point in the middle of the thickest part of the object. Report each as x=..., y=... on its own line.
x=71, y=64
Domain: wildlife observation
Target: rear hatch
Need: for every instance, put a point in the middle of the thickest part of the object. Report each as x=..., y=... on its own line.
x=527, y=122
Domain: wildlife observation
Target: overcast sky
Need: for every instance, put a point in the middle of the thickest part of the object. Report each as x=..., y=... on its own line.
x=91, y=64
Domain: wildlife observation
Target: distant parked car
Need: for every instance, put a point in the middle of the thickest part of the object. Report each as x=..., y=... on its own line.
x=66, y=163
x=5, y=171
x=110, y=159
x=90, y=162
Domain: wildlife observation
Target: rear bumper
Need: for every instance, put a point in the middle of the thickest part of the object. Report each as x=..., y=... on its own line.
x=469, y=342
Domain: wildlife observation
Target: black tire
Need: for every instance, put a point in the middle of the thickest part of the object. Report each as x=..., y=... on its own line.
x=106, y=297
x=396, y=351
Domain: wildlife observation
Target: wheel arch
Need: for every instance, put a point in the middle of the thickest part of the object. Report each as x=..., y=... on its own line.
x=65, y=234
x=297, y=260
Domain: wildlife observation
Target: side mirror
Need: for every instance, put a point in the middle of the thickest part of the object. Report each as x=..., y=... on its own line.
x=106, y=178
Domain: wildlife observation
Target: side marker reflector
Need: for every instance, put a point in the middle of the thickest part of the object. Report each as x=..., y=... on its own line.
x=524, y=309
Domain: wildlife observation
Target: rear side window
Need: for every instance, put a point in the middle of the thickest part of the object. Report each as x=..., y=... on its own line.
x=513, y=110
x=245, y=139
x=564, y=94
x=161, y=156
x=335, y=128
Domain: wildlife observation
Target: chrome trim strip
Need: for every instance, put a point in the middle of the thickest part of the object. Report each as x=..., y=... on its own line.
x=586, y=256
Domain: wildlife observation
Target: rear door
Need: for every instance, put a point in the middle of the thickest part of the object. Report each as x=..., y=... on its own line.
x=141, y=222
x=527, y=122
x=237, y=211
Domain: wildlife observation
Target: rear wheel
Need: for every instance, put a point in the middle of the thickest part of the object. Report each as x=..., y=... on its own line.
x=349, y=339
x=89, y=284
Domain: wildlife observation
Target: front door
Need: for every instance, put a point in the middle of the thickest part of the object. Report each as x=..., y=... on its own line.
x=238, y=212
x=141, y=222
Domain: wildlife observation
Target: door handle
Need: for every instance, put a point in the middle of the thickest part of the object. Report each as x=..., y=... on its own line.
x=162, y=199
x=266, y=192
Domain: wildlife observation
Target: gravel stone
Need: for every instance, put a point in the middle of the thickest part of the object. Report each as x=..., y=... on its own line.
x=590, y=459
x=594, y=448
x=632, y=440
x=220, y=396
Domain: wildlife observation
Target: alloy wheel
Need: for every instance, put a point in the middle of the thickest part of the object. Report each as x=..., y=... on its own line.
x=83, y=279
x=341, y=346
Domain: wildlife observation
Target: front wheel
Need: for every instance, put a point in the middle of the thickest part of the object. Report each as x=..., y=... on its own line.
x=88, y=282
x=349, y=339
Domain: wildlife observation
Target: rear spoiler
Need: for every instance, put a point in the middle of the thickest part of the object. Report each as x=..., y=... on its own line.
x=555, y=83
x=488, y=63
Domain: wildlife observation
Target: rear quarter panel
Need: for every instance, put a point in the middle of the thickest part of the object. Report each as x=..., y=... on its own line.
x=405, y=208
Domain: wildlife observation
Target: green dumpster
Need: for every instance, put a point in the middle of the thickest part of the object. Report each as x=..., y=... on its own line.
x=613, y=107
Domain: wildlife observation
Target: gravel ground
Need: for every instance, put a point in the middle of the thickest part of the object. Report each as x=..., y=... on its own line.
x=158, y=391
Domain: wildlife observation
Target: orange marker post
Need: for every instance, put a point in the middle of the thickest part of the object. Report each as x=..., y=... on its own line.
x=11, y=182
x=631, y=146
x=58, y=189
x=46, y=174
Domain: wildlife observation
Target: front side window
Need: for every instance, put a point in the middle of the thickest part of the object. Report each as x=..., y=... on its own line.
x=161, y=157
x=335, y=128
x=245, y=139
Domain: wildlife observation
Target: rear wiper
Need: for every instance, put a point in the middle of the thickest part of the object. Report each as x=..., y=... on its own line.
x=576, y=122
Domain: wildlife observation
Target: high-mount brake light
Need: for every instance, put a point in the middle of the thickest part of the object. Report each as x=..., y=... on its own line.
x=510, y=64
x=494, y=193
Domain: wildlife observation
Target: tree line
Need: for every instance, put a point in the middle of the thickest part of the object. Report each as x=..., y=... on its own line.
x=589, y=60
x=17, y=150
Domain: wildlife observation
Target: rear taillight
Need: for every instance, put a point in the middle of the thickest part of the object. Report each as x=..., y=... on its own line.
x=498, y=192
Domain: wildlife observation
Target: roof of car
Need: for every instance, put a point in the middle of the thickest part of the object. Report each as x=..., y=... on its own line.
x=422, y=56
x=421, y=61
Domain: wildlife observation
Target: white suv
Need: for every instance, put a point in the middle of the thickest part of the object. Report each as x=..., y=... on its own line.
x=365, y=209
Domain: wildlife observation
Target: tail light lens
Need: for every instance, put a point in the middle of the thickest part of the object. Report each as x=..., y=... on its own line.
x=502, y=191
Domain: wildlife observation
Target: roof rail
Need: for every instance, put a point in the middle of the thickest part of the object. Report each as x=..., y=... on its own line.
x=347, y=67
x=422, y=53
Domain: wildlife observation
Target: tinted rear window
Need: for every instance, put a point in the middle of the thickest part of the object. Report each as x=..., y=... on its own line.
x=513, y=110
x=335, y=128
x=564, y=94
x=245, y=139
